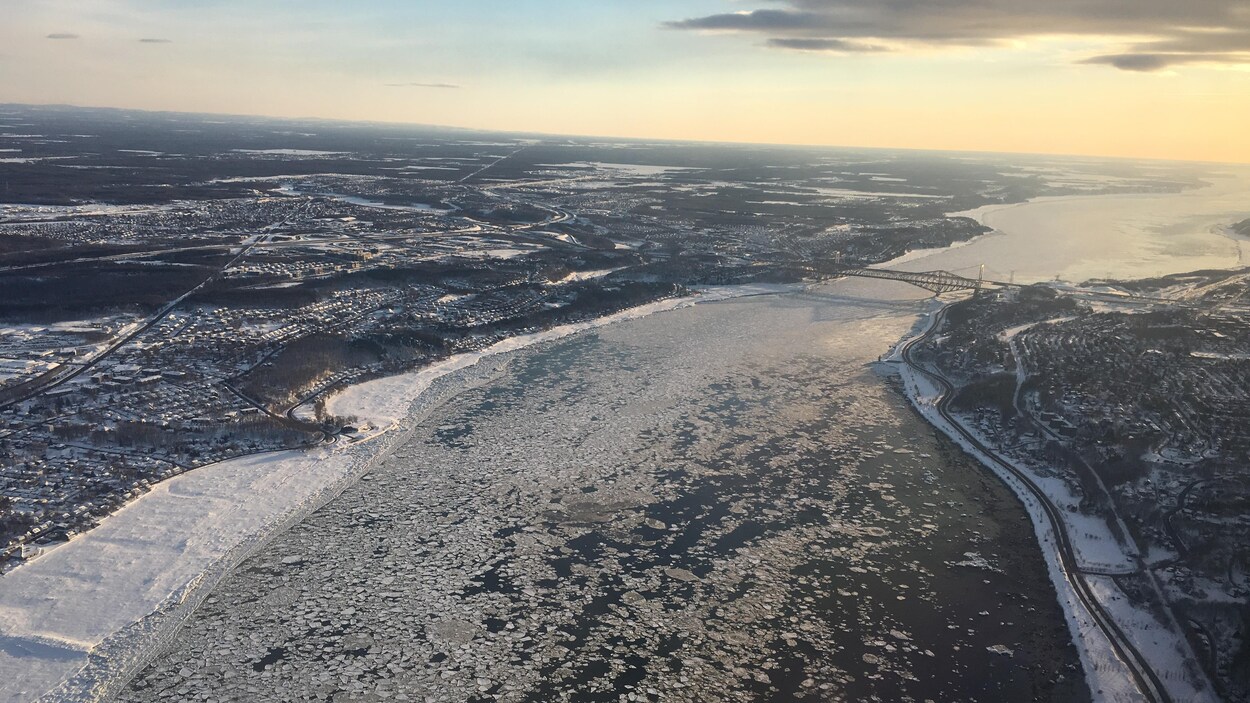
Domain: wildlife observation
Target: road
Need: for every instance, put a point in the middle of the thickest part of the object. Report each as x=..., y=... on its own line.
x=72, y=371
x=492, y=164
x=1043, y=429
x=1182, y=549
x=1148, y=683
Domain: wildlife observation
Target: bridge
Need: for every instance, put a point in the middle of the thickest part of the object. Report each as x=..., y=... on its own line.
x=947, y=282
x=936, y=281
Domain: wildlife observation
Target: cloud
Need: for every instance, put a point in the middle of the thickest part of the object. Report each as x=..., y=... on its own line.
x=1132, y=62
x=756, y=21
x=62, y=35
x=1158, y=62
x=422, y=85
x=1178, y=32
x=841, y=46
x=154, y=41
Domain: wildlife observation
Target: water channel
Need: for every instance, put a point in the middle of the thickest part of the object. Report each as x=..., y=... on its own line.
x=720, y=502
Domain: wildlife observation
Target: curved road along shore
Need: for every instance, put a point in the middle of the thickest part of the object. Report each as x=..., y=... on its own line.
x=1148, y=683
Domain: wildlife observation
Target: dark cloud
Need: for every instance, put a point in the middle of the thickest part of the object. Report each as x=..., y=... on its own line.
x=1132, y=62
x=154, y=41
x=62, y=35
x=1158, y=62
x=1197, y=42
x=1185, y=31
x=422, y=85
x=827, y=45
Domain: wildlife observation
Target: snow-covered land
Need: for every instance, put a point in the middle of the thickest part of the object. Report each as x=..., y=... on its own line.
x=1110, y=678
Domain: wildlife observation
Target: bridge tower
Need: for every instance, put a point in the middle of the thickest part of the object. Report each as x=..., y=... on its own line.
x=976, y=292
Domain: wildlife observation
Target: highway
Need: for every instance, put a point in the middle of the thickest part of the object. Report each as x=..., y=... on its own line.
x=68, y=372
x=1182, y=549
x=492, y=164
x=1148, y=683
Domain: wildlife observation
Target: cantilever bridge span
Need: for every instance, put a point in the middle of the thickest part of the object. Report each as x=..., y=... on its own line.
x=936, y=281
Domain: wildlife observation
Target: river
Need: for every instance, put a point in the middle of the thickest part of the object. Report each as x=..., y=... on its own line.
x=1078, y=238
x=719, y=502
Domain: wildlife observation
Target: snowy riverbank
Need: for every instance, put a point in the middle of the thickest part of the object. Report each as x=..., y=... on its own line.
x=1110, y=678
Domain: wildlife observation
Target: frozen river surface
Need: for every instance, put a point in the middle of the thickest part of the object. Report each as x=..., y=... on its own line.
x=717, y=503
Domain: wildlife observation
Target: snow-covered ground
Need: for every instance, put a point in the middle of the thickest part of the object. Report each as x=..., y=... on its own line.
x=29, y=211
x=1109, y=677
x=1170, y=656
x=290, y=152
x=631, y=169
x=92, y=611
x=588, y=275
x=156, y=553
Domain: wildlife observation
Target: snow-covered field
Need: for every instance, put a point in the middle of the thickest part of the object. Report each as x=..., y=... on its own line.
x=158, y=553
x=95, y=609
x=28, y=211
x=631, y=169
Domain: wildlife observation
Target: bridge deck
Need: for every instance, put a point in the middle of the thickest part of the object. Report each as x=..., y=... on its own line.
x=936, y=281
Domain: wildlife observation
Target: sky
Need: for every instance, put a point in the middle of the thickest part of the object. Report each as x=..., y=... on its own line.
x=1132, y=78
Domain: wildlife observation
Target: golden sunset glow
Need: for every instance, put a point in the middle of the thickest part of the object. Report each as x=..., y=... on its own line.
x=790, y=73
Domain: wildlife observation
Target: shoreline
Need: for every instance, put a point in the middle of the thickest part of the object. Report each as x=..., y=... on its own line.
x=1108, y=675
x=979, y=213
x=90, y=658
x=1116, y=236
x=924, y=403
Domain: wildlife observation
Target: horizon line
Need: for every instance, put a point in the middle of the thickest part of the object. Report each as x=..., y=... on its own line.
x=677, y=140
